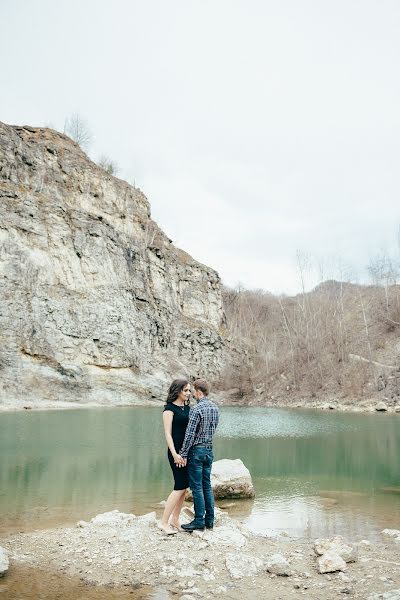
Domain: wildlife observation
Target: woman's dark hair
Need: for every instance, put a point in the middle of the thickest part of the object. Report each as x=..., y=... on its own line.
x=175, y=389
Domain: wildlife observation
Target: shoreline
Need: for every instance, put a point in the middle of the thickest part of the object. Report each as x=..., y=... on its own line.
x=11, y=407
x=361, y=406
x=118, y=550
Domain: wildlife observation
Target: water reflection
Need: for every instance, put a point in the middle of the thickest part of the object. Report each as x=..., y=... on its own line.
x=69, y=465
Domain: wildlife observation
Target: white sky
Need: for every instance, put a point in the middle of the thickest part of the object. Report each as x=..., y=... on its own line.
x=256, y=128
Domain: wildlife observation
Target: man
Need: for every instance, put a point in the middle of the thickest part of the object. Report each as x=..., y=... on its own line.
x=197, y=449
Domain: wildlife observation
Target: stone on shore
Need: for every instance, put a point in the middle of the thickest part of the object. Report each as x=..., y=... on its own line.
x=390, y=595
x=348, y=552
x=393, y=533
x=329, y=406
x=278, y=565
x=239, y=565
x=330, y=562
x=226, y=535
x=113, y=517
x=381, y=407
x=4, y=563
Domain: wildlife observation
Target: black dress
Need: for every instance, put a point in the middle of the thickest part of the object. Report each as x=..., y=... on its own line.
x=179, y=424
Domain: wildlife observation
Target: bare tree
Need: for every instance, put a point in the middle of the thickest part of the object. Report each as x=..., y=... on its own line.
x=78, y=129
x=108, y=165
x=384, y=272
x=368, y=337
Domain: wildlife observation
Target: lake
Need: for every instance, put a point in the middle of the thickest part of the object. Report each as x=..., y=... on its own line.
x=315, y=473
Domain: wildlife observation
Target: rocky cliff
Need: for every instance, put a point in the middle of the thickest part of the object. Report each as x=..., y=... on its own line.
x=96, y=303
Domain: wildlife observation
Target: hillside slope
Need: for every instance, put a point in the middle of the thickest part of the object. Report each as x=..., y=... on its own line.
x=340, y=342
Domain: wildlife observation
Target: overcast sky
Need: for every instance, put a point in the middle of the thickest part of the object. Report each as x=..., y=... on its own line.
x=257, y=129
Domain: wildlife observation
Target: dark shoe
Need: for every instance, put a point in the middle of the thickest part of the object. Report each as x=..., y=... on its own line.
x=209, y=525
x=192, y=526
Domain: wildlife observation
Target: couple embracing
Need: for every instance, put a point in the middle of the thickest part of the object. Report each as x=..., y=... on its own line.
x=189, y=434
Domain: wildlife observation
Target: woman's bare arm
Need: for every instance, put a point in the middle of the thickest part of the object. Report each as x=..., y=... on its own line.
x=168, y=416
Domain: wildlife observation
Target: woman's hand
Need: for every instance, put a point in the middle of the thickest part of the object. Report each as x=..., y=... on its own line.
x=179, y=461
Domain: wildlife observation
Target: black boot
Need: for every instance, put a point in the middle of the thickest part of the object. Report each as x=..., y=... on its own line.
x=192, y=526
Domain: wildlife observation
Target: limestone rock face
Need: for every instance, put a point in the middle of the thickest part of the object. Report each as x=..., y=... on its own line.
x=97, y=304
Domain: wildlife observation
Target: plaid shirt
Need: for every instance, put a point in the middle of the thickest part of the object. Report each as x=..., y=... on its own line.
x=203, y=422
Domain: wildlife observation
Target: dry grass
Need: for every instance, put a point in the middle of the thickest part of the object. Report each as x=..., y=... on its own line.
x=322, y=343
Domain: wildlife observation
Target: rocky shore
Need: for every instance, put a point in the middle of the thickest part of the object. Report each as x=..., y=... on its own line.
x=365, y=405
x=118, y=550
x=13, y=405
x=223, y=399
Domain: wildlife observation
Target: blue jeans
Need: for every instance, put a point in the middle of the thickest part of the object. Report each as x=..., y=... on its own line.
x=199, y=469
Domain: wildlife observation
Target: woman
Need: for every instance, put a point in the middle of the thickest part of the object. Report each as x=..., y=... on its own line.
x=175, y=418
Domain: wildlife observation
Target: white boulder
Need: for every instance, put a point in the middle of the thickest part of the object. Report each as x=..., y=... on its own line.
x=4, y=562
x=240, y=565
x=393, y=533
x=348, y=552
x=113, y=517
x=231, y=479
x=390, y=595
x=331, y=562
x=278, y=565
x=226, y=535
x=381, y=407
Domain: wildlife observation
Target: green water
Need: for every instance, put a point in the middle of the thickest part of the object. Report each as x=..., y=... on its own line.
x=315, y=473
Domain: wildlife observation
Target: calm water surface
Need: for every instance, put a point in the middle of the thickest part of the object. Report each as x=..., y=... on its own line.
x=315, y=473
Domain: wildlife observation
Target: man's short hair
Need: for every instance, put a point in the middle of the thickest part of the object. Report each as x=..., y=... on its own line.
x=202, y=385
